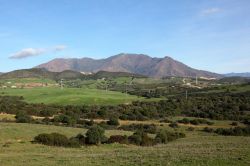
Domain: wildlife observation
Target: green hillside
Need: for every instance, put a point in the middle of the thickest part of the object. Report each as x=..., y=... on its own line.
x=71, y=96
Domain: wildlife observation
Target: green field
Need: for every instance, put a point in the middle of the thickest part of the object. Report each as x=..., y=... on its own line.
x=71, y=96
x=197, y=148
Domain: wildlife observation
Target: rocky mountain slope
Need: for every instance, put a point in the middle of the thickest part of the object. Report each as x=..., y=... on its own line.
x=131, y=63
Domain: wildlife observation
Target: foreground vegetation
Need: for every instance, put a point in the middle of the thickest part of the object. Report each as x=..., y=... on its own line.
x=198, y=148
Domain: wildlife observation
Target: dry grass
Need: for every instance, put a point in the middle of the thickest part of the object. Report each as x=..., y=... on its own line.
x=197, y=148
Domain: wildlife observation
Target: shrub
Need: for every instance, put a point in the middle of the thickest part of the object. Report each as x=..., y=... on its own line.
x=46, y=120
x=90, y=122
x=55, y=139
x=209, y=130
x=141, y=138
x=81, y=139
x=164, y=136
x=95, y=135
x=210, y=123
x=161, y=137
x=237, y=131
x=113, y=122
x=148, y=128
x=190, y=129
x=184, y=120
x=174, y=125
x=165, y=121
x=22, y=117
x=65, y=119
x=195, y=122
x=118, y=139
x=234, y=124
x=135, y=138
x=105, y=126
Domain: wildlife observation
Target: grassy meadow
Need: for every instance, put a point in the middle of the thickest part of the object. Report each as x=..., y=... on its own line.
x=73, y=96
x=197, y=148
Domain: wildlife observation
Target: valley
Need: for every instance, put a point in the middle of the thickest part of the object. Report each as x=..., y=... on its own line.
x=201, y=110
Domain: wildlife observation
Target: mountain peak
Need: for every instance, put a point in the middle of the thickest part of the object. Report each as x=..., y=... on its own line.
x=126, y=62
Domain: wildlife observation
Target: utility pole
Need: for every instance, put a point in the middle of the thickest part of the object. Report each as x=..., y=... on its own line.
x=196, y=80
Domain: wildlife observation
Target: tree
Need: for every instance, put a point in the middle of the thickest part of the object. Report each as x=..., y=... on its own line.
x=113, y=122
x=22, y=117
x=95, y=135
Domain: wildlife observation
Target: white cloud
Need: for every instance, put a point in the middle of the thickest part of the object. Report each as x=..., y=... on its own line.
x=210, y=11
x=29, y=52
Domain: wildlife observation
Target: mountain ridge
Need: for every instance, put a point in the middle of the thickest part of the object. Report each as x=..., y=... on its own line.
x=67, y=74
x=131, y=63
x=245, y=74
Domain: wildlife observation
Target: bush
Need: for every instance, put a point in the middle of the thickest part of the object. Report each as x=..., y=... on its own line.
x=161, y=137
x=65, y=119
x=174, y=125
x=237, y=131
x=190, y=129
x=105, y=126
x=113, y=122
x=184, y=121
x=95, y=135
x=81, y=139
x=118, y=139
x=46, y=120
x=141, y=138
x=164, y=136
x=165, y=121
x=195, y=121
x=148, y=128
x=135, y=138
x=22, y=117
x=208, y=130
x=55, y=139
x=234, y=124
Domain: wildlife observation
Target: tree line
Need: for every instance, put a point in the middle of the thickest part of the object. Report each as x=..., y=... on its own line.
x=213, y=106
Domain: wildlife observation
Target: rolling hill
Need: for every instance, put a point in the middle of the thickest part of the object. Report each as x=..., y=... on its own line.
x=67, y=74
x=234, y=80
x=41, y=73
x=129, y=63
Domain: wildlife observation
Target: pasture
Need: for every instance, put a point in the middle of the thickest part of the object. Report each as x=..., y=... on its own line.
x=74, y=96
x=197, y=148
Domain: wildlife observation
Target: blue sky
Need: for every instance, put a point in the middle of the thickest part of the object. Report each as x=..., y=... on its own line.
x=212, y=35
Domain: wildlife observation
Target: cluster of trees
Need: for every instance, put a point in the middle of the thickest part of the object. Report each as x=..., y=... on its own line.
x=147, y=128
x=195, y=121
x=96, y=136
x=55, y=139
x=212, y=106
x=21, y=117
x=237, y=131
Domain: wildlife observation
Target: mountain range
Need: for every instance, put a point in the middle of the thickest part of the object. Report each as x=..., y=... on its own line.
x=247, y=74
x=129, y=63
